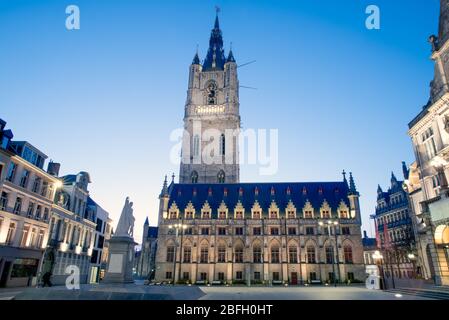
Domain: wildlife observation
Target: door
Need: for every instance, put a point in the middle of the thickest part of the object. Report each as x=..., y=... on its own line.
x=294, y=278
x=5, y=273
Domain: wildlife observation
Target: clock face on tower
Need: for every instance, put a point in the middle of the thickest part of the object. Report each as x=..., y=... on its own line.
x=211, y=93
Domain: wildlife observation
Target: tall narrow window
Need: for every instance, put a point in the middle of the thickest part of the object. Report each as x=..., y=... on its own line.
x=293, y=254
x=257, y=255
x=11, y=172
x=194, y=177
x=222, y=145
x=40, y=239
x=170, y=254
x=187, y=254
x=348, y=254
x=311, y=254
x=24, y=178
x=275, y=254
x=30, y=211
x=18, y=206
x=11, y=233
x=221, y=254
x=196, y=146
x=429, y=143
x=204, y=255
x=221, y=177
x=4, y=201
x=24, y=239
x=238, y=255
x=36, y=185
x=329, y=255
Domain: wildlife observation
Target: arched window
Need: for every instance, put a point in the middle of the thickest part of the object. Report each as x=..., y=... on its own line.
x=275, y=254
x=170, y=254
x=238, y=254
x=348, y=254
x=222, y=145
x=221, y=254
x=257, y=254
x=311, y=254
x=194, y=177
x=221, y=177
x=196, y=145
x=293, y=254
x=204, y=254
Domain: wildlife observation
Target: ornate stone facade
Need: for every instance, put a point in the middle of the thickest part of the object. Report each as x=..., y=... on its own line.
x=429, y=132
x=213, y=229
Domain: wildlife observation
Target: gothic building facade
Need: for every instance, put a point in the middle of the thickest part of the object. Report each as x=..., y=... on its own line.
x=394, y=229
x=214, y=229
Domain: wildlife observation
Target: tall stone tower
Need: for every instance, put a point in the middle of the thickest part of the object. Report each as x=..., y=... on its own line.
x=212, y=117
x=440, y=54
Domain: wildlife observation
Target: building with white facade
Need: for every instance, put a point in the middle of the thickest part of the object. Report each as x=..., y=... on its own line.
x=429, y=132
x=27, y=193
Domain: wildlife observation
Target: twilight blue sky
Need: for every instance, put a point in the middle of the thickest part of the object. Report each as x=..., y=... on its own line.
x=105, y=98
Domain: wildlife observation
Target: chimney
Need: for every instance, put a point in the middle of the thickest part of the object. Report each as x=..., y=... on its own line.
x=53, y=168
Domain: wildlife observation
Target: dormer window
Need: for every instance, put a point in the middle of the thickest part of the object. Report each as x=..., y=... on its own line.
x=206, y=215
x=239, y=214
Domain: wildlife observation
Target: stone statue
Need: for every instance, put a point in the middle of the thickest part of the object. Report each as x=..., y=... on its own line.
x=125, y=226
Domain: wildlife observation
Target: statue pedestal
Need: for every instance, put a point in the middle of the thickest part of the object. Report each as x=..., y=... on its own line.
x=120, y=260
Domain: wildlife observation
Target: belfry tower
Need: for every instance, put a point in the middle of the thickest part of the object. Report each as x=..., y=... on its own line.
x=212, y=118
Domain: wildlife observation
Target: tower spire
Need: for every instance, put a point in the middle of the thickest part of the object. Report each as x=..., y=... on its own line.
x=215, y=58
x=352, y=187
x=164, y=187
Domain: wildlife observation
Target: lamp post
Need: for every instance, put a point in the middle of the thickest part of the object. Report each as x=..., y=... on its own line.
x=411, y=256
x=378, y=258
x=177, y=227
x=329, y=224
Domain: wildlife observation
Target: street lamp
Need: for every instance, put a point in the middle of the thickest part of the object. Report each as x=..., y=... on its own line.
x=411, y=256
x=177, y=227
x=378, y=258
x=329, y=224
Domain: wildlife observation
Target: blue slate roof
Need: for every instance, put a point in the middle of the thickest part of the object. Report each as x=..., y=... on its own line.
x=152, y=232
x=300, y=193
x=369, y=242
x=69, y=179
